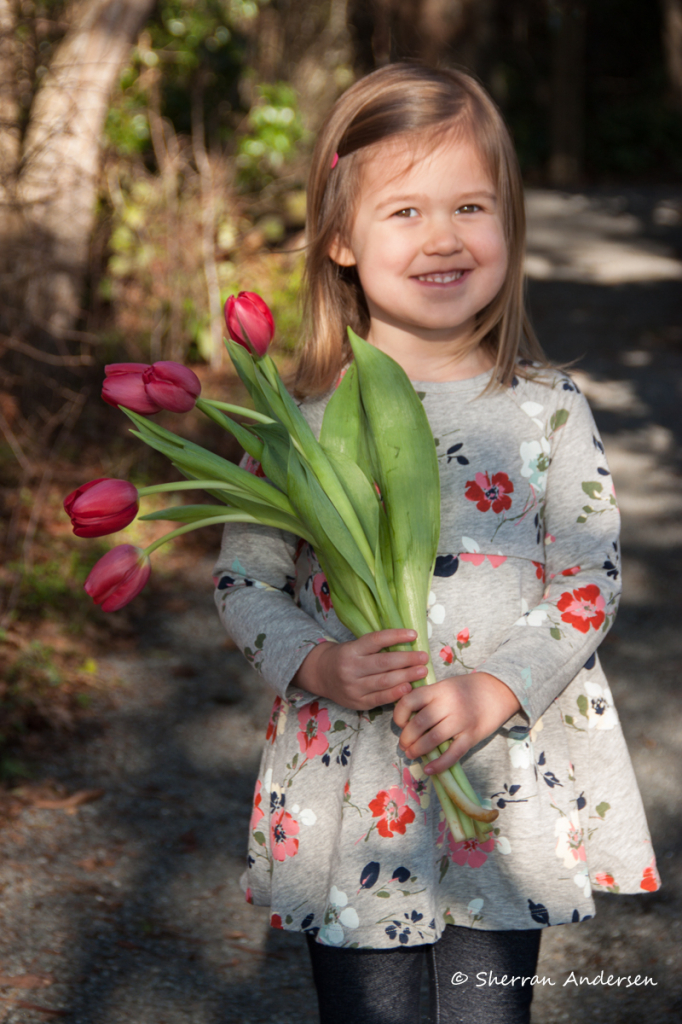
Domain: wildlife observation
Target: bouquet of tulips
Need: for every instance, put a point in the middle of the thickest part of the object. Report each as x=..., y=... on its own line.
x=366, y=496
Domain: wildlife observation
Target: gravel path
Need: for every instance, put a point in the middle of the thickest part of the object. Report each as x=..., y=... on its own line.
x=127, y=908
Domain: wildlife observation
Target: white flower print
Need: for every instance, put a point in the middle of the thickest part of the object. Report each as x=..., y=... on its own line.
x=338, y=916
x=435, y=613
x=306, y=816
x=535, y=456
x=474, y=909
x=470, y=545
x=520, y=752
x=582, y=880
x=601, y=713
x=538, y=727
x=503, y=845
x=569, y=845
x=533, y=409
x=535, y=617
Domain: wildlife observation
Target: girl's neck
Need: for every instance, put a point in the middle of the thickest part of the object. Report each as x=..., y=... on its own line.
x=432, y=360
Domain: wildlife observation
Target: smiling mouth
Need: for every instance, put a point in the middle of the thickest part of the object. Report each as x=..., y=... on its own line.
x=443, y=278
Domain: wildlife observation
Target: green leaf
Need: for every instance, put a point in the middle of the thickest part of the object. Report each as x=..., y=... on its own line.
x=339, y=726
x=294, y=761
x=588, y=509
x=602, y=808
x=259, y=838
x=592, y=488
x=288, y=919
x=260, y=640
x=374, y=712
x=558, y=419
x=248, y=440
x=555, y=633
x=444, y=865
x=185, y=513
x=582, y=705
x=568, y=719
x=382, y=894
x=581, y=519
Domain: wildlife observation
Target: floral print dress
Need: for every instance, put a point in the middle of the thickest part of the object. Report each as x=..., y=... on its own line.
x=347, y=839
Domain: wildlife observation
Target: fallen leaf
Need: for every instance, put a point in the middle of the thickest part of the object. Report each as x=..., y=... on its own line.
x=26, y=981
x=40, y=1009
x=69, y=803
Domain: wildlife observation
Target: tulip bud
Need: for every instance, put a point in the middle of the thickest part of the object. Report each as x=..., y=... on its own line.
x=171, y=386
x=249, y=322
x=124, y=386
x=102, y=506
x=118, y=577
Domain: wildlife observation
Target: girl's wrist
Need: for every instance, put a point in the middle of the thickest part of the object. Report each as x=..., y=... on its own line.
x=309, y=673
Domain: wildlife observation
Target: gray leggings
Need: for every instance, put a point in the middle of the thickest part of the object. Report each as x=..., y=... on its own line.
x=381, y=986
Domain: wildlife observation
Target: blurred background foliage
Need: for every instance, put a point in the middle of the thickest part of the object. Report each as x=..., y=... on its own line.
x=199, y=192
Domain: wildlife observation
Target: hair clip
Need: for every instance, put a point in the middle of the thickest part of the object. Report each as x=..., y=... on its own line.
x=335, y=160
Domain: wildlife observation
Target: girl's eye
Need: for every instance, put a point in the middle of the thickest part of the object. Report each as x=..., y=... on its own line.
x=409, y=211
x=470, y=208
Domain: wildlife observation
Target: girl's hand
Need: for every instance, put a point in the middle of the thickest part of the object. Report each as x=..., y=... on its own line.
x=360, y=674
x=468, y=708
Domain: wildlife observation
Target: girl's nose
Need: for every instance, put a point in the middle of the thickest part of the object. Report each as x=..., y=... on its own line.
x=443, y=239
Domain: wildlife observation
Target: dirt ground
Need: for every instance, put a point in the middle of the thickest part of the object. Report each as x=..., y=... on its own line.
x=126, y=908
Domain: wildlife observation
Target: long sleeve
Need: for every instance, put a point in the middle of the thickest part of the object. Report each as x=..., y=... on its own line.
x=553, y=640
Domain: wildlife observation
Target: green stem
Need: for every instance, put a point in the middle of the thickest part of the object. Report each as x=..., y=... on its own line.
x=184, y=485
x=238, y=410
x=239, y=517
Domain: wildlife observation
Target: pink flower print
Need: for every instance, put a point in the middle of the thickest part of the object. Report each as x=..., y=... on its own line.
x=496, y=560
x=475, y=557
x=416, y=784
x=486, y=492
x=539, y=571
x=582, y=608
x=277, y=710
x=283, y=832
x=570, y=848
x=256, y=813
x=550, y=538
x=314, y=723
x=573, y=571
x=463, y=638
x=447, y=655
x=389, y=807
x=472, y=852
x=321, y=591
x=604, y=878
x=252, y=465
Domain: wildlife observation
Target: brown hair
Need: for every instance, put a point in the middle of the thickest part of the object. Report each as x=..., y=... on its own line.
x=392, y=102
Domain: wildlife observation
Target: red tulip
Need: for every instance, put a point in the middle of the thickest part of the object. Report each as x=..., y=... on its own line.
x=118, y=577
x=124, y=386
x=249, y=322
x=102, y=506
x=171, y=386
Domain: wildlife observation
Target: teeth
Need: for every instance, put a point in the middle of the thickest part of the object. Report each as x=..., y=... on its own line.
x=441, y=278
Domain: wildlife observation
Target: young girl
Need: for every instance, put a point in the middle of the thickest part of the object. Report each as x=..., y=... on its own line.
x=416, y=239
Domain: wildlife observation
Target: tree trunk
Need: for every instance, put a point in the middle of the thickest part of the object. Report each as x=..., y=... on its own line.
x=567, y=98
x=58, y=183
x=672, y=43
x=9, y=110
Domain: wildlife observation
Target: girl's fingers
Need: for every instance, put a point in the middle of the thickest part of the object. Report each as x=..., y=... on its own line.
x=455, y=751
x=372, y=643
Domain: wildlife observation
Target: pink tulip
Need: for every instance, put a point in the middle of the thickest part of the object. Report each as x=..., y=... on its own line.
x=102, y=506
x=249, y=322
x=171, y=386
x=124, y=386
x=118, y=577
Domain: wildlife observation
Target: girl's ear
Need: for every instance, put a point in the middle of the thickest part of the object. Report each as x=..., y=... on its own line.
x=341, y=253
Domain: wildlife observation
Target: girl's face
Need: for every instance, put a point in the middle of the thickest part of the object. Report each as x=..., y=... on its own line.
x=427, y=241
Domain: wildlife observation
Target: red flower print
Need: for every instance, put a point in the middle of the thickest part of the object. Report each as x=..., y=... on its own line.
x=283, y=830
x=321, y=591
x=582, y=608
x=486, y=492
x=573, y=571
x=277, y=708
x=463, y=637
x=389, y=807
x=275, y=921
x=314, y=723
x=539, y=570
x=447, y=655
x=256, y=813
x=248, y=896
x=604, y=878
x=470, y=851
x=650, y=880
x=253, y=466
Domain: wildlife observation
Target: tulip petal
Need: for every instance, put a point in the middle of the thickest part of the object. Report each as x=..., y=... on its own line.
x=128, y=389
x=118, y=577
